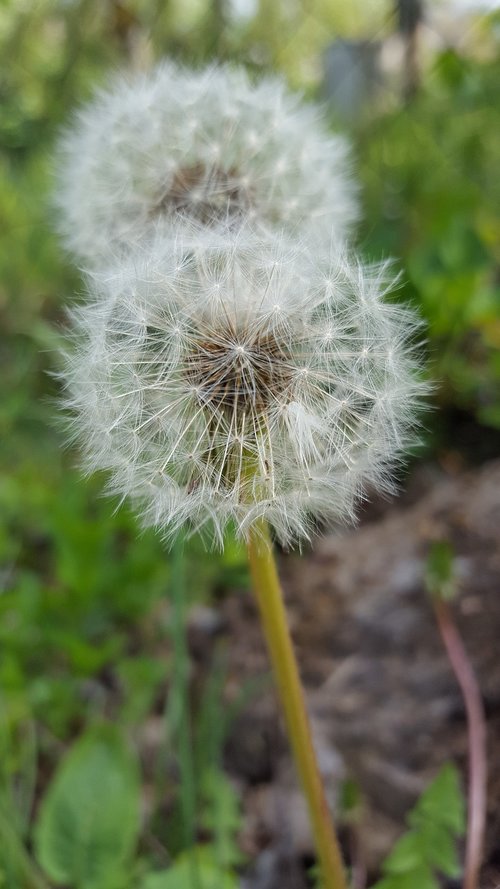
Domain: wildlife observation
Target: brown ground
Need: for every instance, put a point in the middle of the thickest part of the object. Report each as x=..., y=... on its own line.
x=384, y=703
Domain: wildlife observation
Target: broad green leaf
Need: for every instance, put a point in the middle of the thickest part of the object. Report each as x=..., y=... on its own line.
x=89, y=818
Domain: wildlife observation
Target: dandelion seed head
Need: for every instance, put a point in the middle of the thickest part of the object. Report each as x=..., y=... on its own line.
x=208, y=148
x=282, y=397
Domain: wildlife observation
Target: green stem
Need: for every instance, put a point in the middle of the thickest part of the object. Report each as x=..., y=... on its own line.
x=273, y=616
x=178, y=712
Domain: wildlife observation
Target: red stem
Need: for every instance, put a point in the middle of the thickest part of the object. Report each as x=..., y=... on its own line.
x=476, y=732
x=358, y=867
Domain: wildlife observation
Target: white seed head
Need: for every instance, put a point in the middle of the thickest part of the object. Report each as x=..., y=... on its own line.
x=208, y=147
x=224, y=383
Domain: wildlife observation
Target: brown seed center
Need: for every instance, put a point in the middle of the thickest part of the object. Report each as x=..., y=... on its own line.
x=239, y=376
x=205, y=194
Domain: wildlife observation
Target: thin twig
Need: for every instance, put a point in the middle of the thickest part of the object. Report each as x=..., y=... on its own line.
x=358, y=866
x=476, y=731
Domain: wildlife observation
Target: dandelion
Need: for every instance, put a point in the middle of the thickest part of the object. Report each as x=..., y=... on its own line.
x=245, y=381
x=234, y=364
x=228, y=385
x=207, y=147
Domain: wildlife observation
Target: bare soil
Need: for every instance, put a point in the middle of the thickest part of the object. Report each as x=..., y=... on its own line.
x=384, y=704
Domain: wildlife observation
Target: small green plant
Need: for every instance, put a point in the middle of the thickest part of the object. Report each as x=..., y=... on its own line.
x=429, y=847
x=440, y=579
x=221, y=817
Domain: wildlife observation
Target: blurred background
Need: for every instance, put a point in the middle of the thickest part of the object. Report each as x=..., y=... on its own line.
x=153, y=676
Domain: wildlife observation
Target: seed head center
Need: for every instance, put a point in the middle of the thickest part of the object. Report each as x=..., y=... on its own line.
x=229, y=374
x=205, y=193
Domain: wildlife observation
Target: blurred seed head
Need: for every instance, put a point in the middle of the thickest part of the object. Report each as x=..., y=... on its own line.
x=207, y=148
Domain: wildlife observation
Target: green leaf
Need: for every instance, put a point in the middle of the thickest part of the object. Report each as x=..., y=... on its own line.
x=196, y=868
x=439, y=848
x=442, y=802
x=417, y=878
x=429, y=846
x=89, y=819
x=406, y=854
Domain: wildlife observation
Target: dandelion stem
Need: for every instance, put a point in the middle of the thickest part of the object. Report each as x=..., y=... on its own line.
x=274, y=620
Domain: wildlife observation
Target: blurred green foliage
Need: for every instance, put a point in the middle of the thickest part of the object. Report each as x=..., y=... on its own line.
x=432, y=200
x=85, y=605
